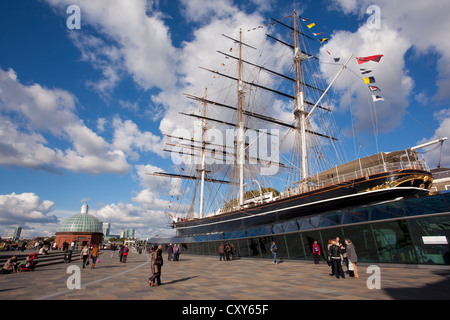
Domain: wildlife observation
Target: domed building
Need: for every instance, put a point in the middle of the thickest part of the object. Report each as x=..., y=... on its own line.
x=80, y=229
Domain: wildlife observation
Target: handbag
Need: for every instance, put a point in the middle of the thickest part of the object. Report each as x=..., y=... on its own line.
x=350, y=266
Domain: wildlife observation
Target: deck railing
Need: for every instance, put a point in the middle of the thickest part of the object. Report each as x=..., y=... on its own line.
x=314, y=182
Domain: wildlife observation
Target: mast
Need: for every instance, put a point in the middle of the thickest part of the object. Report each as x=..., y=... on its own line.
x=299, y=110
x=240, y=127
x=202, y=169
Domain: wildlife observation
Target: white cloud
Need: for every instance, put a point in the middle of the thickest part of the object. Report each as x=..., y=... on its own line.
x=436, y=157
x=138, y=42
x=390, y=75
x=28, y=110
x=206, y=10
x=28, y=211
x=146, y=221
x=423, y=26
x=128, y=137
x=347, y=6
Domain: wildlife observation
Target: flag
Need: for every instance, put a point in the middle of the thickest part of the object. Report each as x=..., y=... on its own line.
x=370, y=58
x=369, y=80
x=304, y=19
x=323, y=40
x=328, y=52
x=336, y=59
x=318, y=33
x=311, y=25
x=365, y=71
x=377, y=98
x=374, y=89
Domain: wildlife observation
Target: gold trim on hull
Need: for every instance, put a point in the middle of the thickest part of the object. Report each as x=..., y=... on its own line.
x=421, y=180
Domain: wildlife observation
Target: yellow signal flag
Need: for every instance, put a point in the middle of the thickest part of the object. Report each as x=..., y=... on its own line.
x=311, y=25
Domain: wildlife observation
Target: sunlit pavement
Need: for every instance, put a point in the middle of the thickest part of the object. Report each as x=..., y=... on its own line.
x=206, y=278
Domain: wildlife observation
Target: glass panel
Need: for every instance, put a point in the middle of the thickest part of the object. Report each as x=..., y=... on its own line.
x=278, y=228
x=446, y=197
x=394, y=242
x=264, y=245
x=193, y=248
x=234, y=250
x=243, y=248
x=293, y=226
x=308, y=240
x=254, y=248
x=213, y=248
x=310, y=223
x=387, y=211
x=281, y=247
x=331, y=219
x=332, y=234
x=431, y=226
x=295, y=246
x=425, y=205
x=356, y=215
x=362, y=238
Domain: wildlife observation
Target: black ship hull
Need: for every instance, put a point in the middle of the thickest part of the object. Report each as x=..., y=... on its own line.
x=379, y=187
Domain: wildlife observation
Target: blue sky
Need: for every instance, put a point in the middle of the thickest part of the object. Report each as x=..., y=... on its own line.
x=81, y=111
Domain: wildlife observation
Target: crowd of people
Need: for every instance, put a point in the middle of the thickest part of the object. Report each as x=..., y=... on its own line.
x=227, y=251
x=340, y=255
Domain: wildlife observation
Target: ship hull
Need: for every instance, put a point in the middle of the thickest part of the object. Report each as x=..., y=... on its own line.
x=379, y=187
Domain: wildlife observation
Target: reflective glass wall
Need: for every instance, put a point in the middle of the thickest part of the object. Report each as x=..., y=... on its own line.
x=388, y=232
x=392, y=241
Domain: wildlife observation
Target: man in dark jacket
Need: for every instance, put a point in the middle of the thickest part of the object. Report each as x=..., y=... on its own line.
x=335, y=253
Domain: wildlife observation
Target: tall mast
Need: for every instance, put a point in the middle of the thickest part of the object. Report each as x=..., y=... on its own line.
x=240, y=127
x=299, y=110
x=202, y=168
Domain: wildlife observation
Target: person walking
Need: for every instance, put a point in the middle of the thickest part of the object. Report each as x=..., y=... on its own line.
x=233, y=251
x=222, y=252
x=273, y=249
x=125, y=254
x=157, y=263
x=176, y=252
x=335, y=253
x=169, y=252
x=227, y=251
x=121, y=253
x=352, y=257
x=316, y=252
x=94, y=255
x=85, y=255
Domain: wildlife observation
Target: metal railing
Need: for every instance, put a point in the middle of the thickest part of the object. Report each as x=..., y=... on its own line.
x=314, y=182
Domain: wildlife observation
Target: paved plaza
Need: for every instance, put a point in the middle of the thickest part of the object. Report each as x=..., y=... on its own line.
x=197, y=277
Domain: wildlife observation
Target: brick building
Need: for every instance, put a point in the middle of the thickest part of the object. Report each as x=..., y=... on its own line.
x=80, y=229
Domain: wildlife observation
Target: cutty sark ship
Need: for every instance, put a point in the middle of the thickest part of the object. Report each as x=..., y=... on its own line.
x=314, y=184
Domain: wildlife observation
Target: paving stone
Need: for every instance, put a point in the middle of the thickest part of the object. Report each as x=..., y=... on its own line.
x=200, y=278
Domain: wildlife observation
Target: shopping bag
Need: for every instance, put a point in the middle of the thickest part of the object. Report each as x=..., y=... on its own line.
x=350, y=266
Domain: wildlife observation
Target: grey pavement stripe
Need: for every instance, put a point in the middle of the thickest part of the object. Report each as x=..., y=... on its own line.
x=96, y=281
